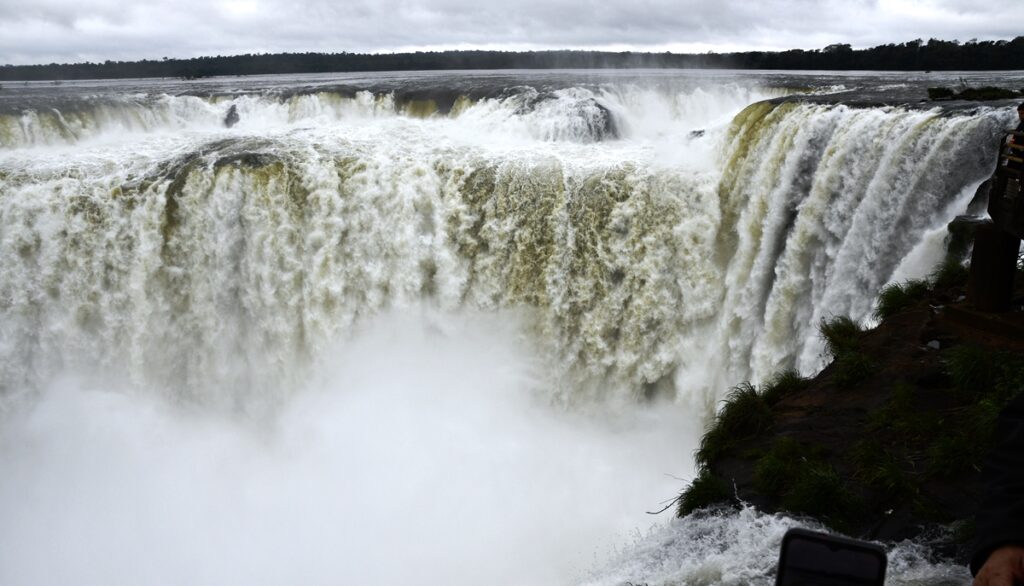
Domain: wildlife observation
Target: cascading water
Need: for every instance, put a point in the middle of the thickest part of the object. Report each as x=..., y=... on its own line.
x=820, y=205
x=230, y=262
x=389, y=322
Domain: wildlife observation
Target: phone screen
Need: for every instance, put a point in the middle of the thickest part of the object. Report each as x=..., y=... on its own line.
x=818, y=559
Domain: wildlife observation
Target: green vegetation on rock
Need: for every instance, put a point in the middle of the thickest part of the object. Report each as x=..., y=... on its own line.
x=902, y=416
x=980, y=374
x=744, y=414
x=951, y=273
x=878, y=468
x=784, y=383
x=889, y=440
x=852, y=368
x=900, y=297
x=776, y=469
x=819, y=490
x=705, y=490
x=842, y=340
x=984, y=382
x=841, y=335
x=799, y=476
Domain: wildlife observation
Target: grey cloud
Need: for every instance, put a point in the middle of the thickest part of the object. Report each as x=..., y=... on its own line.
x=67, y=12
x=62, y=30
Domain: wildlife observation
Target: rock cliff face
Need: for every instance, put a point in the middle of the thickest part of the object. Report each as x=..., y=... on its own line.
x=888, y=441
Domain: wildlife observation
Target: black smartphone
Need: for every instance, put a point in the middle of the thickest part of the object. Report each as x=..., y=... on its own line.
x=809, y=558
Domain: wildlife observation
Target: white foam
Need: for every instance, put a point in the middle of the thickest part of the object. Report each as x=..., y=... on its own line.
x=742, y=549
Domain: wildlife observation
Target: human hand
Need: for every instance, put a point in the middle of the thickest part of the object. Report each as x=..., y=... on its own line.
x=1004, y=567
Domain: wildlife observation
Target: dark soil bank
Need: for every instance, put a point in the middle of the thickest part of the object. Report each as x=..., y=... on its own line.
x=888, y=441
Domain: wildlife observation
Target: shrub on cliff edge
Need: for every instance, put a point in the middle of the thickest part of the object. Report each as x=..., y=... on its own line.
x=841, y=335
x=782, y=384
x=900, y=297
x=744, y=413
x=705, y=490
x=842, y=340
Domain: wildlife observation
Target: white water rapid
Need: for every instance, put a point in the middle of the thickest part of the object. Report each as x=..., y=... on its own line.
x=363, y=338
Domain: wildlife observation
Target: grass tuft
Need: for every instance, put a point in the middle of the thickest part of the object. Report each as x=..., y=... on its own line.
x=842, y=339
x=879, y=469
x=776, y=469
x=951, y=273
x=901, y=416
x=818, y=490
x=973, y=370
x=783, y=383
x=851, y=368
x=841, y=335
x=705, y=490
x=899, y=297
x=968, y=445
x=984, y=382
x=744, y=414
x=745, y=411
x=798, y=475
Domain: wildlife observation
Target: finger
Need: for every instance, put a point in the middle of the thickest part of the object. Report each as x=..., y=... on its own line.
x=1000, y=578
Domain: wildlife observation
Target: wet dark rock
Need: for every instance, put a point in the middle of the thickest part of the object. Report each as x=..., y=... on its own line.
x=232, y=116
x=961, y=234
x=972, y=94
x=248, y=160
x=979, y=203
x=605, y=126
x=440, y=100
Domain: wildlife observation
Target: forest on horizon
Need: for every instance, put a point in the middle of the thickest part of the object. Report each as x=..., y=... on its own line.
x=917, y=55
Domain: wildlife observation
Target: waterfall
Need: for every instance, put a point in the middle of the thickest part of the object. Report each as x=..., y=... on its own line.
x=820, y=204
x=384, y=336
x=566, y=114
x=224, y=264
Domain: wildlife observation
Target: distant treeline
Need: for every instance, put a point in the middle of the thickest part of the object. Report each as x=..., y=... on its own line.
x=910, y=56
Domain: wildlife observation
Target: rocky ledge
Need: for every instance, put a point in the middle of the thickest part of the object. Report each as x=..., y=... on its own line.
x=887, y=442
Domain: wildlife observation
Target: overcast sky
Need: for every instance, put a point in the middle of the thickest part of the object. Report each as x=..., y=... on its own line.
x=44, y=31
